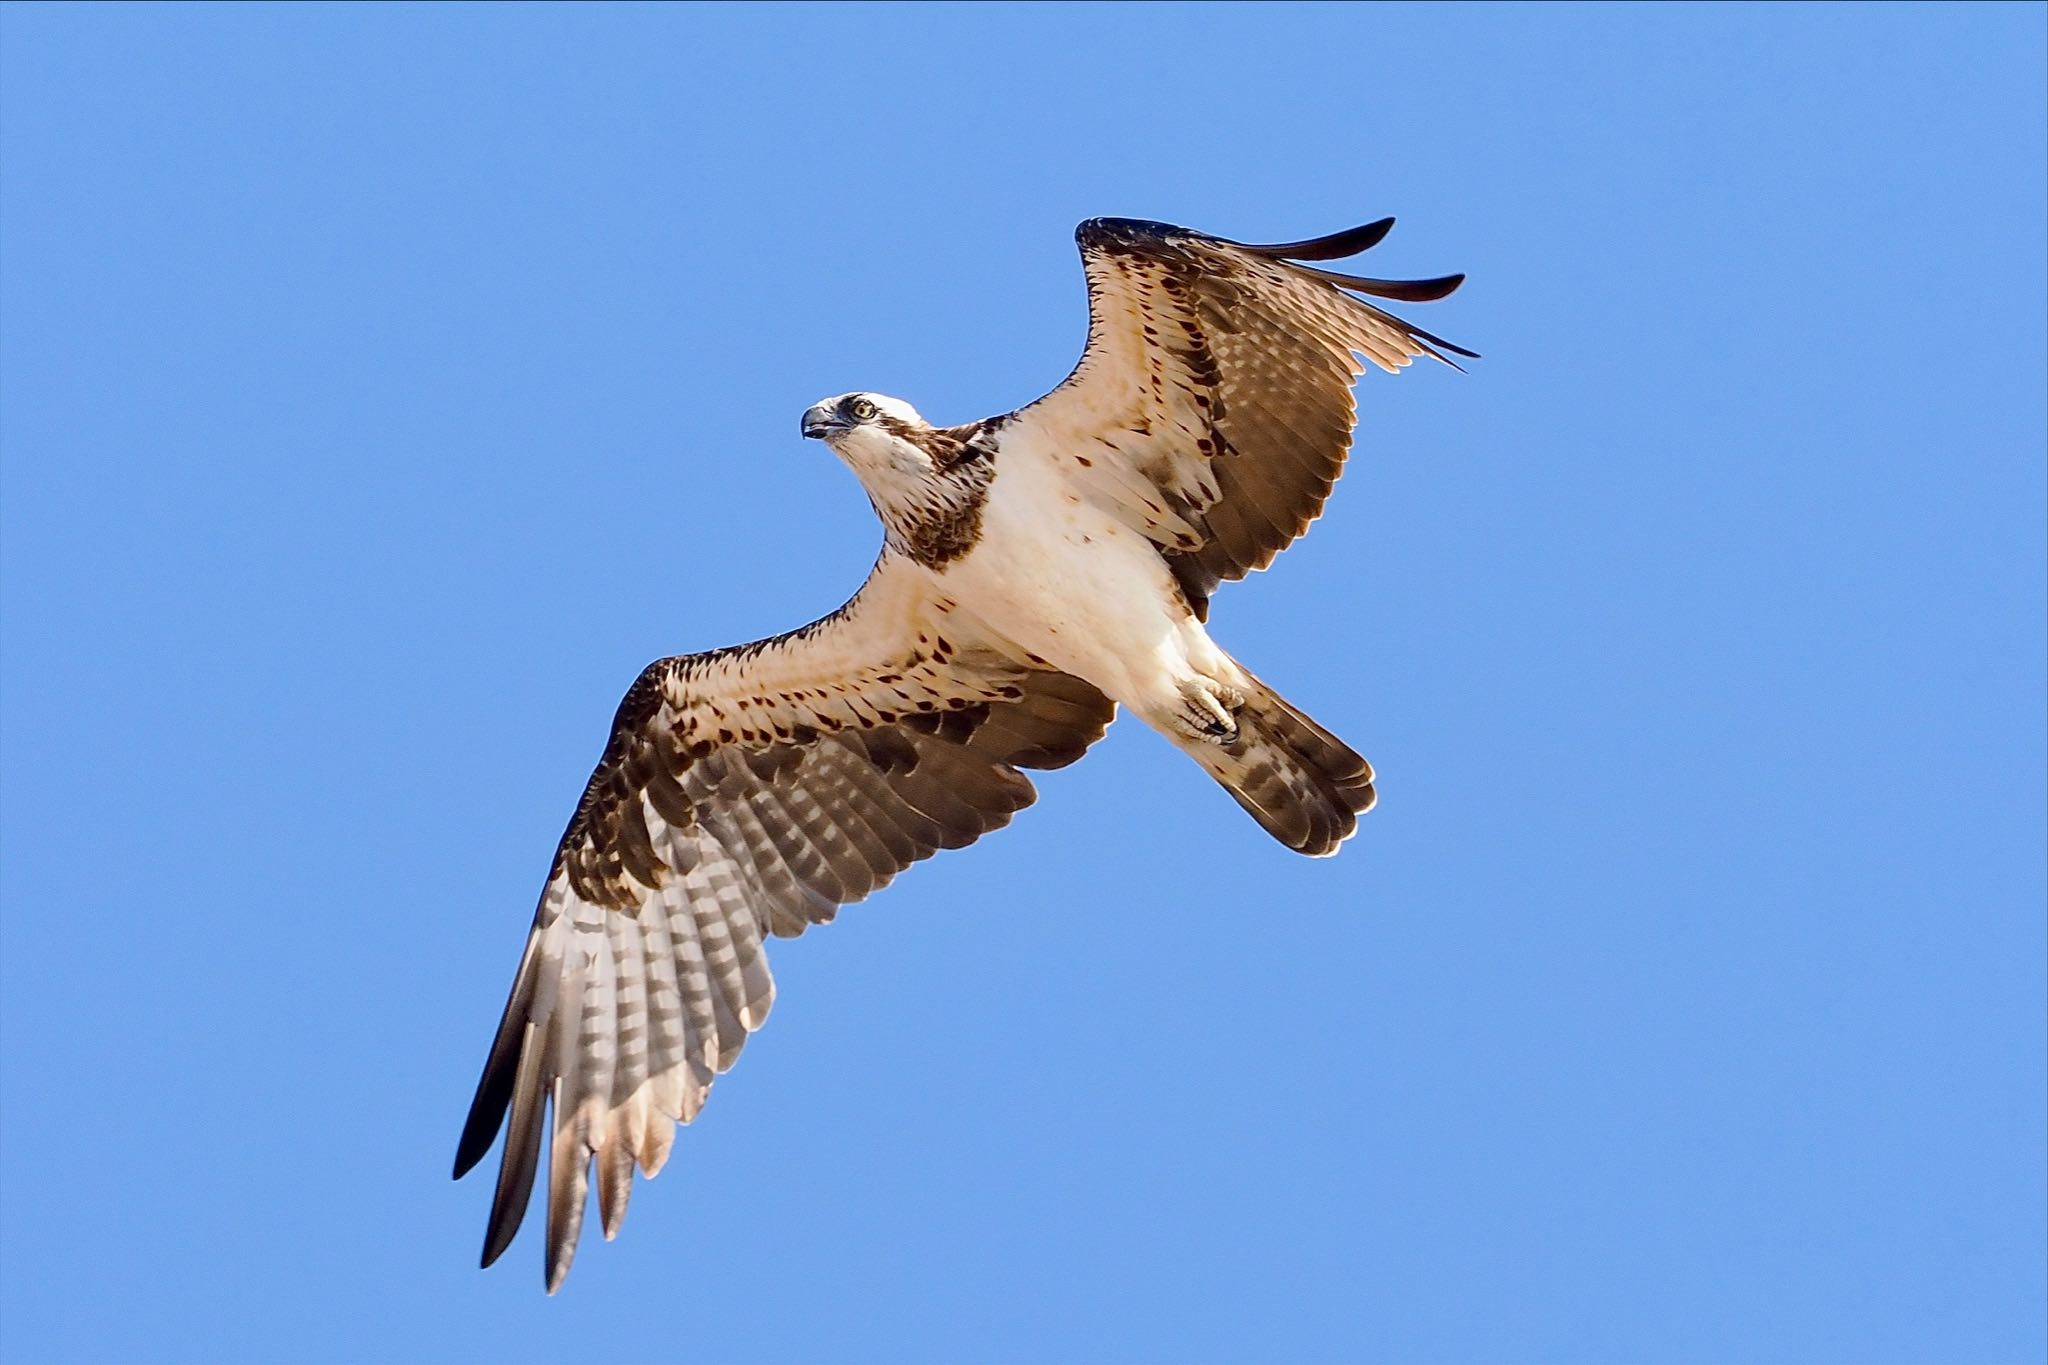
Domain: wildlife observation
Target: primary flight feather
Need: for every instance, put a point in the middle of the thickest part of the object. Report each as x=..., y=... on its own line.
x=1039, y=569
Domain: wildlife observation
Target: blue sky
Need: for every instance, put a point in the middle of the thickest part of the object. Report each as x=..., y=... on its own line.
x=380, y=388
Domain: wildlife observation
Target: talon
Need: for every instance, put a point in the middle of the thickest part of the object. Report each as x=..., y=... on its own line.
x=1211, y=709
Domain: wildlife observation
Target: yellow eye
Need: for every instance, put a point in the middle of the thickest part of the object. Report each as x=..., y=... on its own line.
x=861, y=409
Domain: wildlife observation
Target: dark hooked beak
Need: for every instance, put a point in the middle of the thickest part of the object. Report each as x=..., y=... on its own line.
x=819, y=422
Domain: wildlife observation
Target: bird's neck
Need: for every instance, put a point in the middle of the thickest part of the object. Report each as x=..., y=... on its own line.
x=936, y=518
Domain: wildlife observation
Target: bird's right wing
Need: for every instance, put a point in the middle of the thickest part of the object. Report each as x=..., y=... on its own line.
x=743, y=793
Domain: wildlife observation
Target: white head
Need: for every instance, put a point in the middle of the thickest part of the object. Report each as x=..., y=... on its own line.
x=867, y=428
x=881, y=439
x=926, y=482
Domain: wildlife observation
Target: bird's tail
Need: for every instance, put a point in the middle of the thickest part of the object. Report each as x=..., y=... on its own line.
x=1302, y=783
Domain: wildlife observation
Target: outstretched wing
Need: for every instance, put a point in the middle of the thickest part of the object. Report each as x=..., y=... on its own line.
x=1212, y=408
x=746, y=792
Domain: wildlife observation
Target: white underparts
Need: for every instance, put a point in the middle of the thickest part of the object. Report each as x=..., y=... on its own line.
x=1060, y=580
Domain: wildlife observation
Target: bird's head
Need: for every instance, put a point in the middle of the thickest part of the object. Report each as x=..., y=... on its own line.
x=923, y=480
x=880, y=438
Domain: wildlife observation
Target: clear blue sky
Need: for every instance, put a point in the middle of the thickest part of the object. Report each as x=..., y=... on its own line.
x=383, y=387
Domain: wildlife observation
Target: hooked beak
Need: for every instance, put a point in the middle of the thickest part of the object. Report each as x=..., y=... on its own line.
x=820, y=421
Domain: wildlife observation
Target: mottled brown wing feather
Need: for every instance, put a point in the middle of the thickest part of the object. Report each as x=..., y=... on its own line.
x=745, y=793
x=1212, y=407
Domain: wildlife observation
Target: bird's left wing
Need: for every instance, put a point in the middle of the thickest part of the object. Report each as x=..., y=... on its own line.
x=743, y=793
x=1212, y=407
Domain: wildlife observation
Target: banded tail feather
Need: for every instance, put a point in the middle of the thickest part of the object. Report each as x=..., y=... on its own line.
x=1305, y=786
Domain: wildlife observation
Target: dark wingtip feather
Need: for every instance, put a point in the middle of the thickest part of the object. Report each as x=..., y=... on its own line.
x=1406, y=291
x=522, y=1151
x=494, y=1089
x=1433, y=339
x=486, y=1115
x=1337, y=245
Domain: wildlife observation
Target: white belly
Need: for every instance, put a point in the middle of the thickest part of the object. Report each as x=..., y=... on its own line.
x=1067, y=583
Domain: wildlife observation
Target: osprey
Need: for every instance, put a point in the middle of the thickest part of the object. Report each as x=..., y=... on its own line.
x=1039, y=570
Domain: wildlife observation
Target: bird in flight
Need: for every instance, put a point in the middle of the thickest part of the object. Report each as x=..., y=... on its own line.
x=1039, y=570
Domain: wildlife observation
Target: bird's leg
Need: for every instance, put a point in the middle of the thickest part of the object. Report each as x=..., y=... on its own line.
x=1209, y=709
